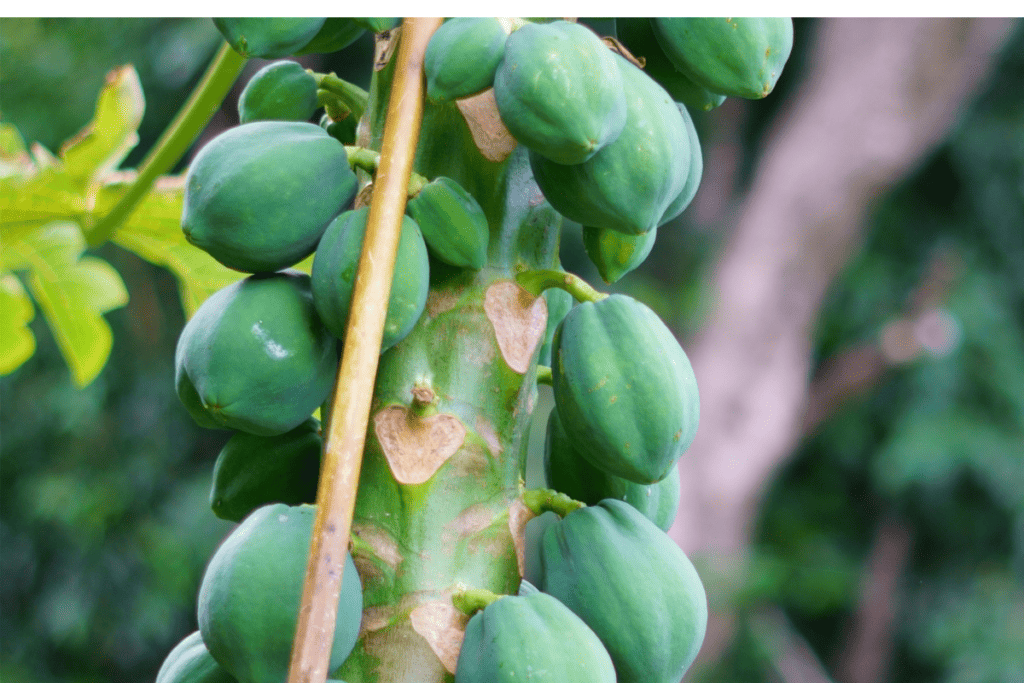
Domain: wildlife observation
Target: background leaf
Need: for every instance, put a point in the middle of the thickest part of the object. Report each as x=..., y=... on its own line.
x=17, y=343
x=73, y=292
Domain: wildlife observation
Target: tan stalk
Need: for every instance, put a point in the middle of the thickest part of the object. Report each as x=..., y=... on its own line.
x=354, y=388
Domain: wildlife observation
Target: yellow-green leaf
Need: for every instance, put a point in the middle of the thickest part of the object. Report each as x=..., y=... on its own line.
x=73, y=292
x=17, y=344
x=99, y=147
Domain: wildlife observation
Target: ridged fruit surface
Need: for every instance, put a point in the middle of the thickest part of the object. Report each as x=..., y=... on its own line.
x=637, y=34
x=252, y=471
x=452, y=222
x=191, y=662
x=255, y=357
x=282, y=91
x=624, y=388
x=462, y=56
x=559, y=92
x=259, y=195
x=336, y=34
x=738, y=56
x=268, y=38
x=531, y=638
x=250, y=594
x=334, y=271
x=630, y=182
x=567, y=472
x=693, y=178
x=632, y=585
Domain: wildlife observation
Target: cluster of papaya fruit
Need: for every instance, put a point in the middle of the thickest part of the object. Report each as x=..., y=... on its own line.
x=612, y=146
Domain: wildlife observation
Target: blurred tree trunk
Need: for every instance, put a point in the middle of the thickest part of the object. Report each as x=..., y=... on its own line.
x=878, y=95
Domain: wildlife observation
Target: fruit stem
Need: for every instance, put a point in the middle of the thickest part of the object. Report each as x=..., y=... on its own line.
x=544, y=375
x=190, y=121
x=549, y=500
x=351, y=97
x=536, y=281
x=472, y=599
x=368, y=160
x=343, y=448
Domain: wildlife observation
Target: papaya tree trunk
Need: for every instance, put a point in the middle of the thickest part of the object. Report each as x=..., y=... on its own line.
x=439, y=506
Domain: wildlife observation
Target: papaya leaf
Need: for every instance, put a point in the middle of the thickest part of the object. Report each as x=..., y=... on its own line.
x=99, y=148
x=72, y=290
x=17, y=343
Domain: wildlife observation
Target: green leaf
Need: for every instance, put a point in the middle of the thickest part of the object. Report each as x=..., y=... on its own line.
x=100, y=147
x=17, y=344
x=73, y=292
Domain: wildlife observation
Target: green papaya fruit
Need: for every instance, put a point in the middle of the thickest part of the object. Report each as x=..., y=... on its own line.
x=344, y=131
x=567, y=472
x=559, y=302
x=259, y=196
x=377, y=24
x=632, y=585
x=334, y=271
x=559, y=92
x=452, y=222
x=624, y=388
x=693, y=178
x=336, y=34
x=462, y=56
x=250, y=594
x=252, y=471
x=255, y=357
x=531, y=638
x=191, y=662
x=615, y=254
x=738, y=56
x=637, y=34
x=630, y=182
x=281, y=91
x=533, y=537
x=268, y=38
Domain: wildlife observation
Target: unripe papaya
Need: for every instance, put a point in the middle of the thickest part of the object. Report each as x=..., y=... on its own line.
x=452, y=222
x=191, y=662
x=739, y=56
x=568, y=473
x=250, y=594
x=334, y=271
x=632, y=585
x=559, y=92
x=252, y=471
x=693, y=178
x=337, y=33
x=462, y=56
x=259, y=196
x=344, y=130
x=559, y=302
x=281, y=91
x=531, y=637
x=624, y=388
x=630, y=182
x=377, y=24
x=637, y=34
x=268, y=38
x=615, y=254
x=255, y=357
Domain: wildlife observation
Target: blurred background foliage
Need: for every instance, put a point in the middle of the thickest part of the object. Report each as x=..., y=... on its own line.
x=104, y=519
